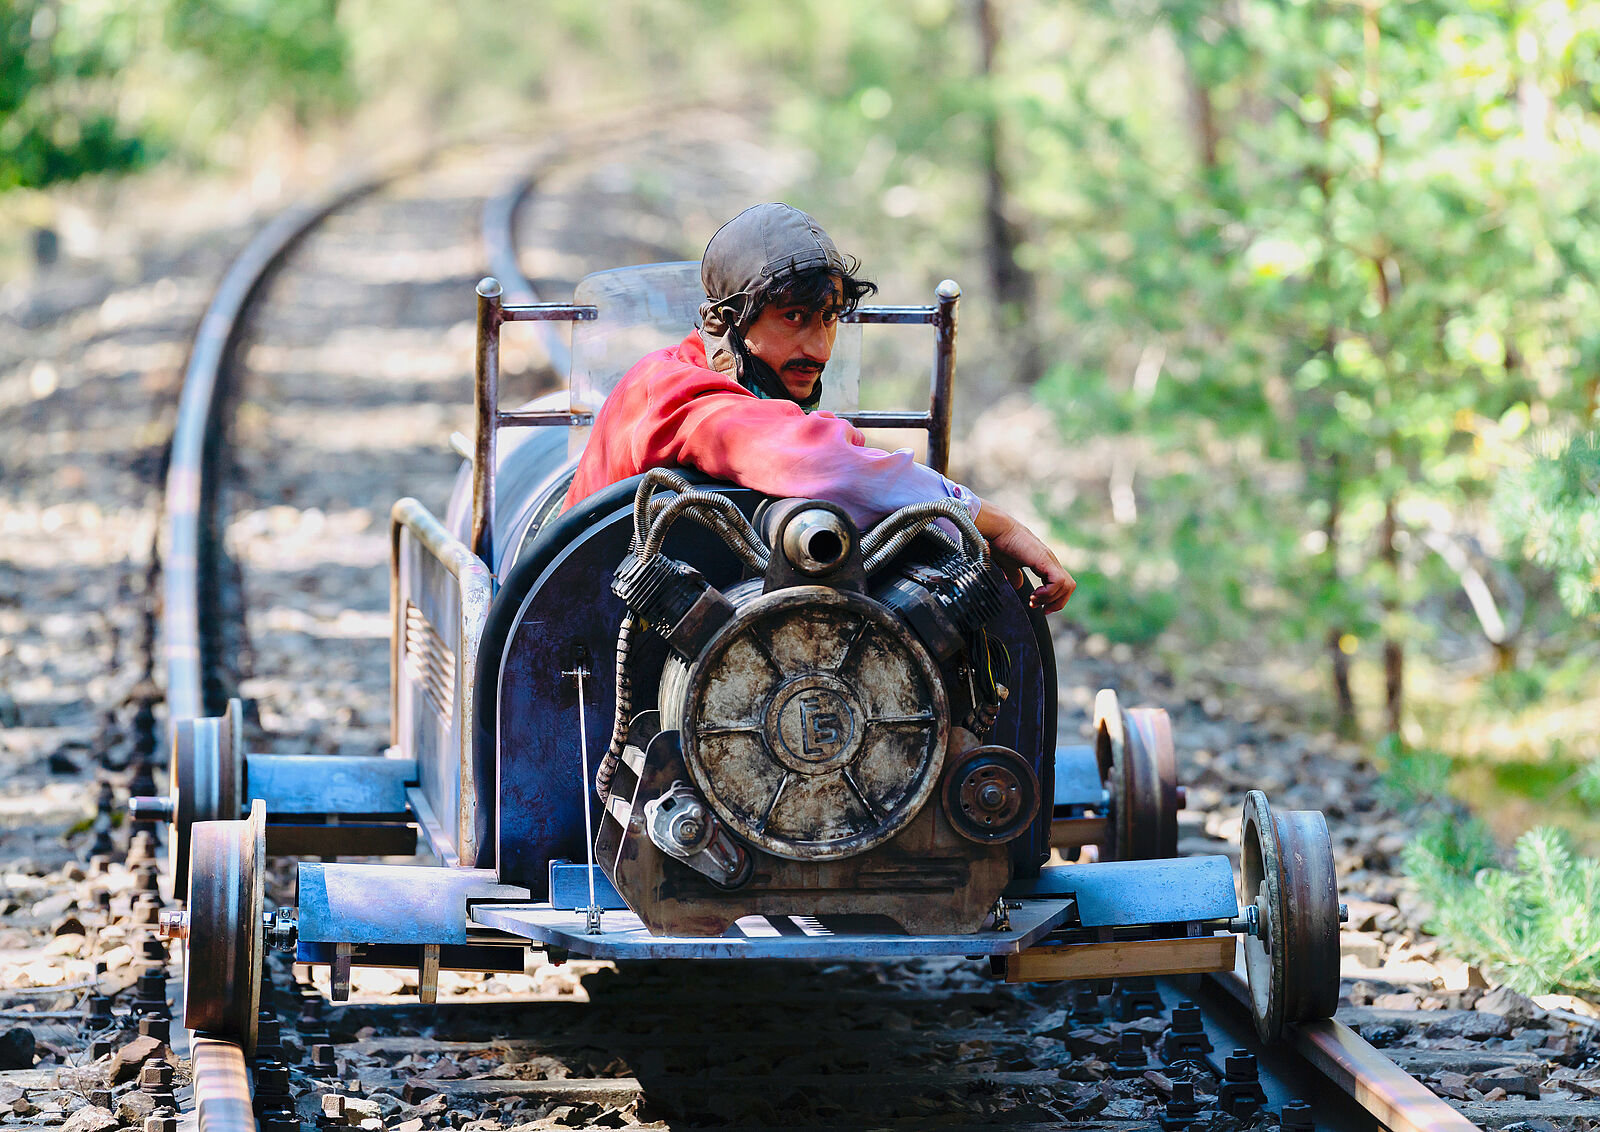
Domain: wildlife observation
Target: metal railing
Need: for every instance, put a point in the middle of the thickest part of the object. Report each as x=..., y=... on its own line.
x=493, y=312
x=432, y=572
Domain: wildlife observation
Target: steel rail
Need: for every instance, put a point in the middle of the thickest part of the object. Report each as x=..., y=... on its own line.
x=1397, y=1099
x=221, y=1081
x=190, y=484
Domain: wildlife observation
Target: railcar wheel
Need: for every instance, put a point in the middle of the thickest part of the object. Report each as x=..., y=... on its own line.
x=1292, y=959
x=1137, y=762
x=222, y=976
x=207, y=780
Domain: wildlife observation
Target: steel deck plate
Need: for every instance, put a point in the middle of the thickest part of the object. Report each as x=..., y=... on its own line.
x=764, y=937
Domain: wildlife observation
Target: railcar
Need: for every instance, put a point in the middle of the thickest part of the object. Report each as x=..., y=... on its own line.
x=682, y=720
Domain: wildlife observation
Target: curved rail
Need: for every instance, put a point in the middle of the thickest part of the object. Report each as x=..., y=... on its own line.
x=221, y=1082
x=190, y=485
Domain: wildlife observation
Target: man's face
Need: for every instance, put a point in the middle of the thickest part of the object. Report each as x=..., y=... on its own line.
x=796, y=342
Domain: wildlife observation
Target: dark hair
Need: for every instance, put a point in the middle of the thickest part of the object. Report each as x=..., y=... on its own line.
x=813, y=290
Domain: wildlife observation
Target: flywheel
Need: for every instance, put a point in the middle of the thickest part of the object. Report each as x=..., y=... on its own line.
x=814, y=723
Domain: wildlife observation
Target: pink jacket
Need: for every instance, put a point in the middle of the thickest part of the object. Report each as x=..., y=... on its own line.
x=671, y=410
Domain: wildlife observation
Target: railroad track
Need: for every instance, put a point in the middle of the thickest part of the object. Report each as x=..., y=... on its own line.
x=769, y=1045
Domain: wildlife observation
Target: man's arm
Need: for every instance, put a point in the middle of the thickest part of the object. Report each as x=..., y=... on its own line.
x=1015, y=546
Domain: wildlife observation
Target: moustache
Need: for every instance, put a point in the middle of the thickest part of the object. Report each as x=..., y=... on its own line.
x=802, y=366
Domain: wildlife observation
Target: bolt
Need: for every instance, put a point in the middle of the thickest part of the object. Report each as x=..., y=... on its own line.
x=100, y=1098
x=155, y=1080
x=324, y=1061
x=1130, y=1060
x=141, y=848
x=150, y=997
x=1186, y=1040
x=147, y=910
x=1182, y=1108
x=155, y=1026
x=149, y=879
x=99, y=858
x=991, y=797
x=1137, y=997
x=98, y=1014
x=1085, y=1005
x=1241, y=1094
x=1297, y=1115
x=101, y=1047
x=173, y=923
x=161, y=1122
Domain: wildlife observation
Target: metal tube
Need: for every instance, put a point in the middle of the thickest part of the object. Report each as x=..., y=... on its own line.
x=486, y=406
x=888, y=418
x=221, y=1088
x=549, y=312
x=903, y=315
x=535, y=418
x=944, y=375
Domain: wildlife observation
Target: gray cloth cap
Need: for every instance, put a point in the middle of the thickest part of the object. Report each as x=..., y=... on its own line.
x=762, y=245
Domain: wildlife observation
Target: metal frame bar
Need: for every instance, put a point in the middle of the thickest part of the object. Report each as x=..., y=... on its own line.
x=476, y=591
x=493, y=312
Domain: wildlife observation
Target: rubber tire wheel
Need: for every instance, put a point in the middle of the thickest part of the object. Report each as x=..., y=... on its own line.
x=1286, y=866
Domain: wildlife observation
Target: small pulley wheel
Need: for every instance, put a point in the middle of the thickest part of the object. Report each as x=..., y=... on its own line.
x=1138, y=764
x=1292, y=958
x=991, y=795
x=222, y=976
x=207, y=780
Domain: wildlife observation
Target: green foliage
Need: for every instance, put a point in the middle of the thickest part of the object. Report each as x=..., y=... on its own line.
x=1412, y=778
x=1549, y=508
x=1535, y=925
x=105, y=88
x=58, y=118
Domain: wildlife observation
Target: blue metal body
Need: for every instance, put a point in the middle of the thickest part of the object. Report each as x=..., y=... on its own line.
x=556, y=609
x=329, y=784
x=1078, y=784
x=1123, y=893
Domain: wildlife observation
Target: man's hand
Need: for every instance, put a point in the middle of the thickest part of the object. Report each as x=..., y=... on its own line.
x=1014, y=547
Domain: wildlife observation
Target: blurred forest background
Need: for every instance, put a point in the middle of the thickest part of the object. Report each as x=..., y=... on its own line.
x=1315, y=281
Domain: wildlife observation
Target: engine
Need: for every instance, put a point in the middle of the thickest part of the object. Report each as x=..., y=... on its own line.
x=816, y=741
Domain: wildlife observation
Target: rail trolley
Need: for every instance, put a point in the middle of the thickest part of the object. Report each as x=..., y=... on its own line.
x=682, y=720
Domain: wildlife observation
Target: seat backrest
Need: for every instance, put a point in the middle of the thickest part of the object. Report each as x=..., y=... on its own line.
x=653, y=305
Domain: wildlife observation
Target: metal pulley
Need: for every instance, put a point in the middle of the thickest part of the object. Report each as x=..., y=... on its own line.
x=814, y=724
x=991, y=795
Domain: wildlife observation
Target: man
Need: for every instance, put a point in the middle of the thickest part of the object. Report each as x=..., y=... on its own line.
x=738, y=397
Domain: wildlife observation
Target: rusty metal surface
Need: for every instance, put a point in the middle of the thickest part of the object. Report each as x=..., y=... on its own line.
x=926, y=879
x=823, y=938
x=221, y=1086
x=814, y=723
x=222, y=973
x=449, y=589
x=1287, y=871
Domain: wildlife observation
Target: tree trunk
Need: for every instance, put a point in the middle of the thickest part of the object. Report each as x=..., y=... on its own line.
x=1013, y=284
x=1393, y=650
x=1344, y=701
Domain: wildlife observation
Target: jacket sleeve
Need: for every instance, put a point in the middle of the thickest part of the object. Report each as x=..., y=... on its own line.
x=775, y=448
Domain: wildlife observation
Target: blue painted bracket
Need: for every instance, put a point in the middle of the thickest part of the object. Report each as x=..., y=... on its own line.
x=411, y=904
x=1112, y=894
x=1077, y=779
x=329, y=784
x=569, y=887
